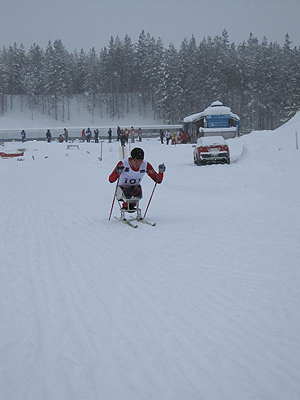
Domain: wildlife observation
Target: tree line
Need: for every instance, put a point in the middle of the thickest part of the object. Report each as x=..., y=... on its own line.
x=260, y=82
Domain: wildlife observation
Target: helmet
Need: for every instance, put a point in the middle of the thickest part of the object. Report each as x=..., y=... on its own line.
x=137, y=153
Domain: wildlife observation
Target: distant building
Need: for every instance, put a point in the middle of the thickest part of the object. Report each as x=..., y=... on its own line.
x=216, y=120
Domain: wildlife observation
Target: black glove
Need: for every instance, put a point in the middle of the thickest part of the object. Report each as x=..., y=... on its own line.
x=119, y=169
x=161, y=168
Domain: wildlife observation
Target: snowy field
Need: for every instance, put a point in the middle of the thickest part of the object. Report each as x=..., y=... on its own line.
x=203, y=306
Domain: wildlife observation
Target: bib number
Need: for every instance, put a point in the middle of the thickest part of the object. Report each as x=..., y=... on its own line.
x=131, y=181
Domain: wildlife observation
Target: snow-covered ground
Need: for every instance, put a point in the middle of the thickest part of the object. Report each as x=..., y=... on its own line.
x=205, y=305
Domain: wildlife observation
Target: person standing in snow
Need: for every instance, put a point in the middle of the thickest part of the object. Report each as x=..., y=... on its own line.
x=161, y=135
x=126, y=134
x=48, y=135
x=140, y=134
x=110, y=134
x=173, y=138
x=182, y=137
x=168, y=136
x=88, y=135
x=66, y=133
x=96, y=133
x=122, y=138
x=83, y=135
x=132, y=133
x=23, y=134
x=118, y=133
x=130, y=173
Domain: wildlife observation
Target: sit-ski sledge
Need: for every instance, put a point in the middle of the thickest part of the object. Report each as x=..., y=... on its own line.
x=132, y=206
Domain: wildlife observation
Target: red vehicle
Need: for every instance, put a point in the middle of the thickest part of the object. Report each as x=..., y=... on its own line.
x=211, y=150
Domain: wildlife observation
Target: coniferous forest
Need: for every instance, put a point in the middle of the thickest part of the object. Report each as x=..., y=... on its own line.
x=260, y=82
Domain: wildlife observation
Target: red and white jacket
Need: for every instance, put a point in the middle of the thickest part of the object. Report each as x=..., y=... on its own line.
x=131, y=176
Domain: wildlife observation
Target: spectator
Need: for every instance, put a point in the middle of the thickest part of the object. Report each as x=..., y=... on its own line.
x=183, y=137
x=66, y=134
x=132, y=133
x=140, y=134
x=109, y=135
x=161, y=135
x=173, y=137
x=122, y=137
x=48, y=135
x=126, y=134
x=83, y=135
x=96, y=133
x=88, y=135
x=118, y=133
x=168, y=136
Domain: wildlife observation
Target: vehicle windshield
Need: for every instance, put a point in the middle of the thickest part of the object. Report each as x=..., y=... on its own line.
x=210, y=141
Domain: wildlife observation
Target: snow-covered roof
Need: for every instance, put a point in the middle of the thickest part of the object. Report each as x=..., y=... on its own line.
x=216, y=108
x=219, y=110
x=216, y=103
x=193, y=117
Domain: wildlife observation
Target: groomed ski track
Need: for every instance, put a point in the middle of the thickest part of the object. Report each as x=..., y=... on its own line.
x=204, y=306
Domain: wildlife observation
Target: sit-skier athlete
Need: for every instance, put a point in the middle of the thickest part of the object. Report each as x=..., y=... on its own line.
x=130, y=172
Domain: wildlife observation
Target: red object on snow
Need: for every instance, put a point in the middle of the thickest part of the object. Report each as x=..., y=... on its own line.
x=10, y=155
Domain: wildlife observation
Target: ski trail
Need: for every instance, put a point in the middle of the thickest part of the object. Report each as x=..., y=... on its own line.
x=200, y=306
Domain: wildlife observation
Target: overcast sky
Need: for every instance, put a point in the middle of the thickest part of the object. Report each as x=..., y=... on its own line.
x=91, y=23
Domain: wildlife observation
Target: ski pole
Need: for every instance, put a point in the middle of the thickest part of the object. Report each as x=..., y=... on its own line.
x=150, y=200
x=113, y=202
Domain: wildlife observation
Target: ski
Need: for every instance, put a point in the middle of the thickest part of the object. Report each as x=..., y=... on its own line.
x=143, y=221
x=130, y=222
x=126, y=222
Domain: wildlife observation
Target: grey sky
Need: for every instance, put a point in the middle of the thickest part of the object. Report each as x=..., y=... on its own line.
x=91, y=23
